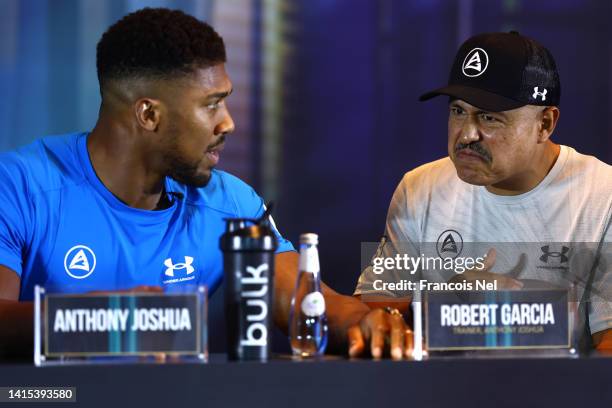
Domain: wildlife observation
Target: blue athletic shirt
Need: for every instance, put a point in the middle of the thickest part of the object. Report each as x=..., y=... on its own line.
x=60, y=227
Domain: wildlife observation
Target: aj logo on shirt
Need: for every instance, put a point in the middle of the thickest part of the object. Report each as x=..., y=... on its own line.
x=80, y=262
x=450, y=244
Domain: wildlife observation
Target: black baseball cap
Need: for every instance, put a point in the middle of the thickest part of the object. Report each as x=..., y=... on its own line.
x=502, y=71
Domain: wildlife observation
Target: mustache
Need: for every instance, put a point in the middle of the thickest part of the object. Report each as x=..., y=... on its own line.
x=476, y=147
x=217, y=143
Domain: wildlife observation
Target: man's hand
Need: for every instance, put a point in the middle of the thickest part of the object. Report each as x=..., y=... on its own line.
x=485, y=274
x=378, y=330
x=353, y=325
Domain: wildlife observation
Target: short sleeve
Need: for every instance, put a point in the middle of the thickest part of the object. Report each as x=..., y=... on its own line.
x=399, y=238
x=14, y=207
x=251, y=205
x=600, y=302
x=284, y=245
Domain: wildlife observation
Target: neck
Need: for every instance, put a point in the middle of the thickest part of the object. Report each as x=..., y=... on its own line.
x=533, y=175
x=121, y=161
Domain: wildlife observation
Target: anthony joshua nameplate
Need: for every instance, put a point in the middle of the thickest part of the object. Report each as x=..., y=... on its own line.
x=118, y=325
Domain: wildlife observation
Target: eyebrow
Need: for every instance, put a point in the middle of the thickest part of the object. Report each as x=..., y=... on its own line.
x=220, y=95
x=479, y=111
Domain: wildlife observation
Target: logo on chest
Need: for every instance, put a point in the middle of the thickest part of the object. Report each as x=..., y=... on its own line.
x=79, y=262
x=552, y=259
x=449, y=244
x=180, y=271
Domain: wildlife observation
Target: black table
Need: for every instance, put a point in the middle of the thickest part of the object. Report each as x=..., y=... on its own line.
x=451, y=382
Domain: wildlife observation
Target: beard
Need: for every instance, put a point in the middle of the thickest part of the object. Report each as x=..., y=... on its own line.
x=185, y=172
x=188, y=174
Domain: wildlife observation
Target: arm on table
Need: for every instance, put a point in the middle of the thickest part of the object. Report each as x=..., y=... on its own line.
x=352, y=324
x=17, y=318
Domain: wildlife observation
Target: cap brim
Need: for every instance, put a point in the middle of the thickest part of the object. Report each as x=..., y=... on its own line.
x=474, y=96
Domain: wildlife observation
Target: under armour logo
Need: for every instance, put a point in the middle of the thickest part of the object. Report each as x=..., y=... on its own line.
x=475, y=63
x=547, y=254
x=184, y=265
x=536, y=93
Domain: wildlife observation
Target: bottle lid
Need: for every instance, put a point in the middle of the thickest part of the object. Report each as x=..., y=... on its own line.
x=309, y=239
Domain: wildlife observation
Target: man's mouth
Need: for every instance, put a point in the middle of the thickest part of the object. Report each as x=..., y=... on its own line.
x=213, y=153
x=472, y=152
x=469, y=155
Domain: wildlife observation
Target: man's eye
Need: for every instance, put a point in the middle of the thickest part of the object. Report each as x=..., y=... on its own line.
x=456, y=111
x=487, y=118
x=214, y=106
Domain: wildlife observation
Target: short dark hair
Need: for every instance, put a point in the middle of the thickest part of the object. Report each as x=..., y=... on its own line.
x=157, y=43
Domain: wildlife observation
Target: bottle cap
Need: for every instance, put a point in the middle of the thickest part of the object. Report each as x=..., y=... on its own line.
x=309, y=239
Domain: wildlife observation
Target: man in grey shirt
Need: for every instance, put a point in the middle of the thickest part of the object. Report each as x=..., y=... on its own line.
x=505, y=182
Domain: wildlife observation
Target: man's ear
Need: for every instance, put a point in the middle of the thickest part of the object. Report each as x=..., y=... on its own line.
x=548, y=121
x=148, y=113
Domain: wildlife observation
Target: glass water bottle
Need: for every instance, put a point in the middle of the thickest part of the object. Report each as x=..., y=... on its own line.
x=308, y=321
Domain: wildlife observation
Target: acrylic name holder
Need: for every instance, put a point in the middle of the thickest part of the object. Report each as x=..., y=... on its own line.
x=494, y=320
x=120, y=327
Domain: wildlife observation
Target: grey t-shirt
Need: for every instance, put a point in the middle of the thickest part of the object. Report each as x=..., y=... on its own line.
x=558, y=233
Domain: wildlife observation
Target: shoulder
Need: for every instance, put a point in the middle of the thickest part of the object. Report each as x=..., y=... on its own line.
x=436, y=181
x=437, y=174
x=229, y=183
x=585, y=164
x=588, y=172
x=46, y=164
x=225, y=193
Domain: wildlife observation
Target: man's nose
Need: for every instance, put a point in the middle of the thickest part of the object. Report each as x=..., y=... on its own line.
x=226, y=125
x=469, y=132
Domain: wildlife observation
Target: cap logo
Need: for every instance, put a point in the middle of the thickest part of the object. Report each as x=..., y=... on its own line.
x=475, y=63
x=537, y=93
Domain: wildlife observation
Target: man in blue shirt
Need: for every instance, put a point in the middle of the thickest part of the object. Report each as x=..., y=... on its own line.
x=137, y=202
x=84, y=237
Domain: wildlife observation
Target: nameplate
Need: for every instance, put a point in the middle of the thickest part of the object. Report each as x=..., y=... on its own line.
x=123, y=324
x=509, y=319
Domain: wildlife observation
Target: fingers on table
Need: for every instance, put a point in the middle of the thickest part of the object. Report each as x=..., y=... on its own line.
x=398, y=335
x=408, y=343
x=381, y=328
x=356, y=341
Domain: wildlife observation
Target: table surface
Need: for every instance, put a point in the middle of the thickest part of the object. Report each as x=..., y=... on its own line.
x=450, y=381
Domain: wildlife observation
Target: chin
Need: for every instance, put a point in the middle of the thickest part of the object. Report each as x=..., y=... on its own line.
x=196, y=179
x=199, y=180
x=474, y=178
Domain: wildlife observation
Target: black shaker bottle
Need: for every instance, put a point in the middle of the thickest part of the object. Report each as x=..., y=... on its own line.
x=248, y=247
